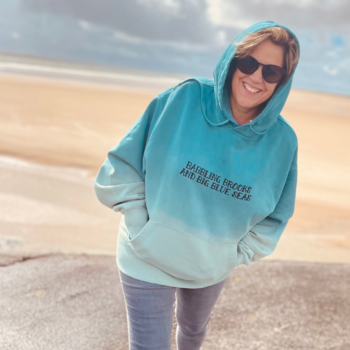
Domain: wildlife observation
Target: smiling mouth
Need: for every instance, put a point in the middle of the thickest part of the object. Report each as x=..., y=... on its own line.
x=251, y=89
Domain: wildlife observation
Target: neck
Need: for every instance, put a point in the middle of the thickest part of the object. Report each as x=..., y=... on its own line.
x=244, y=115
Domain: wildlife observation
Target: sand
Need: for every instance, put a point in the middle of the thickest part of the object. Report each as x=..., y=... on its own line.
x=55, y=134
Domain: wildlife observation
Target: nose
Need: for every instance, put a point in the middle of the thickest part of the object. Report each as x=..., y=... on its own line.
x=257, y=75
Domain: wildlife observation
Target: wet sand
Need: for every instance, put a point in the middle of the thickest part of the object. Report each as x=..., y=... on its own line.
x=54, y=136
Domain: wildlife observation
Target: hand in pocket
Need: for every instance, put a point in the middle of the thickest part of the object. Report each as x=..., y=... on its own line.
x=134, y=219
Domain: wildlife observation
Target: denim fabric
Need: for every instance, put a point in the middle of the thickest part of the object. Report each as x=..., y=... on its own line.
x=150, y=310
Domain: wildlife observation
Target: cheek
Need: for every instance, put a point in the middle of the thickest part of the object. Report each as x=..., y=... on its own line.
x=270, y=90
x=236, y=76
x=234, y=80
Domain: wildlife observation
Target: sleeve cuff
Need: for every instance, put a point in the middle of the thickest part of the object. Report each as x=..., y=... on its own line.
x=129, y=204
x=244, y=254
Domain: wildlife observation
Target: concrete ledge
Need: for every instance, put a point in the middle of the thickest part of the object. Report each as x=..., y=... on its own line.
x=76, y=302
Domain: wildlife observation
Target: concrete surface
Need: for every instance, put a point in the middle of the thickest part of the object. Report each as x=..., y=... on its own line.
x=71, y=302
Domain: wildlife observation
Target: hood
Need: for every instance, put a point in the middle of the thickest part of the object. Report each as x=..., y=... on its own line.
x=272, y=110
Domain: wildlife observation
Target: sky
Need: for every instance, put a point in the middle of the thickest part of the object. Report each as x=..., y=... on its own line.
x=178, y=36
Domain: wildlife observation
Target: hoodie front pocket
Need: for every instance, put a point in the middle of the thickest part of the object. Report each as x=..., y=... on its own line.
x=183, y=255
x=134, y=219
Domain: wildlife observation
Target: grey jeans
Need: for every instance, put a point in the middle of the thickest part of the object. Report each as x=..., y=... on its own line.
x=150, y=310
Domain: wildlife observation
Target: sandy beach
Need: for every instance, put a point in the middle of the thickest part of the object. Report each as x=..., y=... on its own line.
x=55, y=134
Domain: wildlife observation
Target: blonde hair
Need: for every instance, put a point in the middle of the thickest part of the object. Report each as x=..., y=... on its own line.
x=278, y=36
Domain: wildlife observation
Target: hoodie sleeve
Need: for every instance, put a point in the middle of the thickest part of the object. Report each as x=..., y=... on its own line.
x=120, y=182
x=262, y=238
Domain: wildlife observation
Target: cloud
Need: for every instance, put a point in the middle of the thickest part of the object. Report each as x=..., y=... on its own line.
x=163, y=20
x=15, y=35
x=315, y=14
x=178, y=36
x=330, y=70
x=84, y=25
x=213, y=23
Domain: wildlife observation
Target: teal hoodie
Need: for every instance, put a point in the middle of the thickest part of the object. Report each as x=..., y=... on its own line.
x=200, y=195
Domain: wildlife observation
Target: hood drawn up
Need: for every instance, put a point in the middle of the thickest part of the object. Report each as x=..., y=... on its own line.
x=271, y=112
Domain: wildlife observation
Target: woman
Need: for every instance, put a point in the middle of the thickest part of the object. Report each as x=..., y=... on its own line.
x=206, y=181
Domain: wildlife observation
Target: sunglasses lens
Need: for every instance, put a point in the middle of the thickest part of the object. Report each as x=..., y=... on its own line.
x=247, y=65
x=272, y=74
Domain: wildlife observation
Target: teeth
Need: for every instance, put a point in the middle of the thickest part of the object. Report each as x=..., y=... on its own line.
x=250, y=88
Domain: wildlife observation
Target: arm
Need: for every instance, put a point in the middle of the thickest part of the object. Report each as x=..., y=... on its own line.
x=120, y=182
x=263, y=237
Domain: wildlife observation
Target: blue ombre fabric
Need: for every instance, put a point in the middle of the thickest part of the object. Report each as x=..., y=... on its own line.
x=200, y=195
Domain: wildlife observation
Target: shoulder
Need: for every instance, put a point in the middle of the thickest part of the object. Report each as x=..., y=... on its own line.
x=192, y=85
x=186, y=91
x=189, y=90
x=289, y=139
x=195, y=81
x=287, y=130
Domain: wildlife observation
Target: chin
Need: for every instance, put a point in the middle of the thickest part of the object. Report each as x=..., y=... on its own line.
x=246, y=104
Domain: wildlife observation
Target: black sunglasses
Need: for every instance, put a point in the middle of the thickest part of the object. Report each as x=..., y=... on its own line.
x=270, y=72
